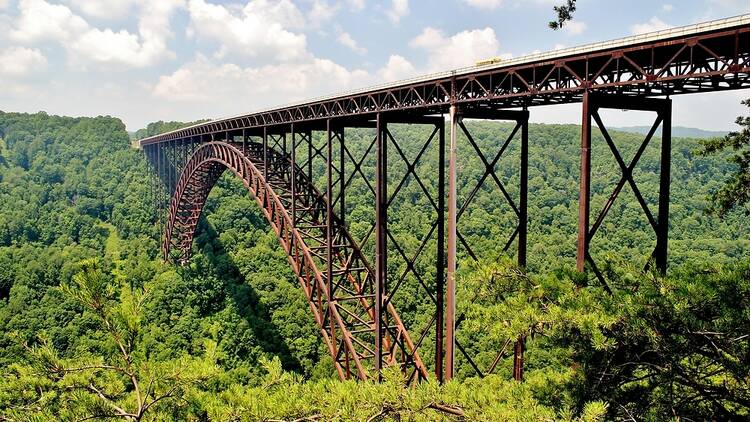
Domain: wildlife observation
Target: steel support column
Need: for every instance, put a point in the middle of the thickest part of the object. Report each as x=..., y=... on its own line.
x=381, y=236
x=662, y=231
x=329, y=230
x=663, y=109
x=455, y=237
x=293, y=162
x=584, y=195
x=342, y=178
x=440, y=262
x=450, y=283
x=523, y=221
x=523, y=202
x=244, y=141
x=265, y=153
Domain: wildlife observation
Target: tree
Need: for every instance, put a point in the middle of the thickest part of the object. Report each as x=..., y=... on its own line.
x=736, y=189
x=116, y=381
x=564, y=14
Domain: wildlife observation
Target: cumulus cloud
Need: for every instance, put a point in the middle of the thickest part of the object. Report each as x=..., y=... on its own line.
x=398, y=10
x=111, y=9
x=667, y=8
x=261, y=29
x=322, y=12
x=205, y=80
x=346, y=40
x=653, y=24
x=461, y=49
x=19, y=61
x=396, y=68
x=41, y=21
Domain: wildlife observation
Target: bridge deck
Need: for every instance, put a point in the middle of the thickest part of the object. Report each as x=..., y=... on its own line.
x=709, y=56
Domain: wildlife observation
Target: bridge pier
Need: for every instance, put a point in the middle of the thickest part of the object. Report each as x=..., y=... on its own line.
x=386, y=242
x=592, y=103
x=457, y=126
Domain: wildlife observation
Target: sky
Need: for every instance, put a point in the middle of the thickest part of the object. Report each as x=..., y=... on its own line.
x=148, y=60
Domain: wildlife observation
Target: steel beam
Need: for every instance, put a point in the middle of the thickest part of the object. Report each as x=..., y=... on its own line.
x=381, y=237
x=523, y=212
x=342, y=178
x=265, y=153
x=329, y=230
x=293, y=163
x=663, y=109
x=450, y=294
x=440, y=260
x=662, y=231
x=584, y=194
x=708, y=60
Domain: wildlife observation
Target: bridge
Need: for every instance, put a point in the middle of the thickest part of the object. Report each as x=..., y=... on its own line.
x=282, y=154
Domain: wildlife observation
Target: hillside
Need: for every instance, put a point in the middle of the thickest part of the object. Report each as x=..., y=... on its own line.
x=677, y=131
x=231, y=337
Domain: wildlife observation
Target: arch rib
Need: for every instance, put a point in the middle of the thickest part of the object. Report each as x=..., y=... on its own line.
x=343, y=307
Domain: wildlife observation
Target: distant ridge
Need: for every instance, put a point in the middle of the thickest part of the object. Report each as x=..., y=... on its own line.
x=677, y=131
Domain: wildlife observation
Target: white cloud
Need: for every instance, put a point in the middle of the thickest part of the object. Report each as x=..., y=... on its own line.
x=346, y=40
x=111, y=9
x=574, y=27
x=653, y=24
x=398, y=10
x=461, y=49
x=203, y=80
x=667, y=8
x=19, y=61
x=322, y=12
x=283, y=12
x=484, y=4
x=206, y=81
x=356, y=5
x=260, y=30
x=396, y=68
x=41, y=21
x=4, y=4
x=122, y=47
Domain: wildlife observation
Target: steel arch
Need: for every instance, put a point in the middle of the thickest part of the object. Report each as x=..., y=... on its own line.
x=343, y=306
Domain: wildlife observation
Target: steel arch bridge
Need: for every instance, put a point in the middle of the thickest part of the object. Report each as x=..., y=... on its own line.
x=281, y=154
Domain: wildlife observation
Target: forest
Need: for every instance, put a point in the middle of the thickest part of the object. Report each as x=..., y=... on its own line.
x=95, y=325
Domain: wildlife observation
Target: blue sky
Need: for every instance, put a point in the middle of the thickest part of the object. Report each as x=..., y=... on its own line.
x=146, y=60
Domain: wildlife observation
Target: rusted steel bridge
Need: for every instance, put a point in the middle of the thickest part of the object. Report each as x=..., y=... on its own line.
x=282, y=155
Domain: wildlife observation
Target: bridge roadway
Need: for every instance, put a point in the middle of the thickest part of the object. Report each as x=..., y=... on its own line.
x=277, y=156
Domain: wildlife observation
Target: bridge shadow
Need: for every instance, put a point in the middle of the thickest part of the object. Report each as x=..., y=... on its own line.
x=216, y=260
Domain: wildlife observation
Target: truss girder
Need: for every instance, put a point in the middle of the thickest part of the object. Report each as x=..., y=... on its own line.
x=337, y=280
x=699, y=63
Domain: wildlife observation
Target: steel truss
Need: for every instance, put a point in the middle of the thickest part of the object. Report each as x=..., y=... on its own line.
x=520, y=210
x=282, y=154
x=705, y=62
x=592, y=103
x=338, y=281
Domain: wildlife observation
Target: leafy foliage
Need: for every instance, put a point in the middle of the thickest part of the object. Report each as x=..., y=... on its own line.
x=88, y=311
x=735, y=193
x=564, y=14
